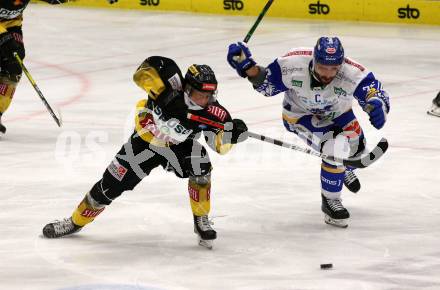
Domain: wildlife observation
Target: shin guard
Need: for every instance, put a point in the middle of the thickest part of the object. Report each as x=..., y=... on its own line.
x=332, y=178
x=86, y=211
x=199, y=189
x=7, y=91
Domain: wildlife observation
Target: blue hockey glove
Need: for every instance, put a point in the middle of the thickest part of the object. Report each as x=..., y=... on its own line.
x=240, y=58
x=376, y=110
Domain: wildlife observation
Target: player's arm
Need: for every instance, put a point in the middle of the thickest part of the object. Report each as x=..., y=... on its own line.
x=267, y=81
x=220, y=140
x=160, y=78
x=373, y=99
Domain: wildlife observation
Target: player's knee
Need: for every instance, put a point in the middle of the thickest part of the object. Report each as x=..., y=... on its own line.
x=198, y=164
x=12, y=71
x=358, y=146
x=9, y=79
x=116, y=179
x=201, y=180
x=200, y=168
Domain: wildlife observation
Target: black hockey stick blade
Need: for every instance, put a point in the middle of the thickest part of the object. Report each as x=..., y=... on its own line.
x=368, y=159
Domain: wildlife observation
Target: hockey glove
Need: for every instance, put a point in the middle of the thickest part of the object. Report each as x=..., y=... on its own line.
x=9, y=45
x=240, y=58
x=237, y=130
x=377, y=112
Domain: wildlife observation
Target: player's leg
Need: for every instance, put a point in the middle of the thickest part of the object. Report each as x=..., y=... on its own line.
x=331, y=186
x=10, y=73
x=196, y=166
x=352, y=131
x=134, y=161
x=320, y=135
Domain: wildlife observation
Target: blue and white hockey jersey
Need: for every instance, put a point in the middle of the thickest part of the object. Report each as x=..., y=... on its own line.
x=291, y=74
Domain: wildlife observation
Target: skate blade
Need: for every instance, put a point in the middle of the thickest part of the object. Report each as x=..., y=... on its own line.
x=206, y=243
x=340, y=223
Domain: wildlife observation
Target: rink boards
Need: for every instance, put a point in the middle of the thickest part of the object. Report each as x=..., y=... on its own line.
x=394, y=11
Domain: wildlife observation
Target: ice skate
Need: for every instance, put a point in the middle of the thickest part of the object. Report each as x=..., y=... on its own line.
x=434, y=111
x=351, y=181
x=2, y=127
x=61, y=228
x=206, y=234
x=335, y=213
x=435, y=108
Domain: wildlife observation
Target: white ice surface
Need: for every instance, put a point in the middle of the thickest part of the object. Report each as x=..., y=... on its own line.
x=265, y=199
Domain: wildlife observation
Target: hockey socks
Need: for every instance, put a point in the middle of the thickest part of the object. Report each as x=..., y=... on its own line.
x=86, y=211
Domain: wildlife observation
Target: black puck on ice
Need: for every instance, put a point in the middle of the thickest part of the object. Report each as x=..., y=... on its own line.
x=326, y=266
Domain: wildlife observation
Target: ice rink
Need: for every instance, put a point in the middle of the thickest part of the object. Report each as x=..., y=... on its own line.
x=265, y=199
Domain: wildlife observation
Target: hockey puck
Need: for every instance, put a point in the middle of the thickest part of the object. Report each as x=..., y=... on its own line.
x=326, y=266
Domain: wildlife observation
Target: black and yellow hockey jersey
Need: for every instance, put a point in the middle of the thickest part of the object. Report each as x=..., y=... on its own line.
x=11, y=13
x=161, y=119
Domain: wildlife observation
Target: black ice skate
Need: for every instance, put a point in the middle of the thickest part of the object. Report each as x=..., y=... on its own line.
x=202, y=227
x=351, y=181
x=2, y=127
x=335, y=213
x=435, y=108
x=59, y=229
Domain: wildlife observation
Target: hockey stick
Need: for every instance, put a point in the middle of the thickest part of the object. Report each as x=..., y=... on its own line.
x=260, y=17
x=40, y=94
x=357, y=162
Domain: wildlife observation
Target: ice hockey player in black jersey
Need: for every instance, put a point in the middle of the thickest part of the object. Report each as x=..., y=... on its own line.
x=11, y=40
x=435, y=108
x=165, y=136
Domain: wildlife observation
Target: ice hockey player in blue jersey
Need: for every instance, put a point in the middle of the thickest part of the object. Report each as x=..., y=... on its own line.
x=319, y=85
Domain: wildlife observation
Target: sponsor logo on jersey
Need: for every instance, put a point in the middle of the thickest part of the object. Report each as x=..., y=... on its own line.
x=217, y=112
x=10, y=14
x=297, y=83
x=233, y=5
x=168, y=130
x=318, y=8
x=408, y=12
x=340, y=91
x=175, y=82
x=355, y=64
x=150, y=2
x=298, y=52
x=117, y=170
x=290, y=70
x=341, y=76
